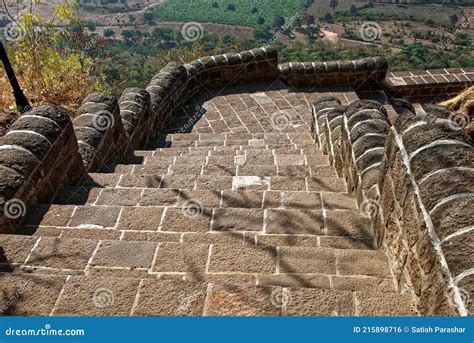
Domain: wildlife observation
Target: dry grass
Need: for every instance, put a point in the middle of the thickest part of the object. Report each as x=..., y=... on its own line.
x=463, y=102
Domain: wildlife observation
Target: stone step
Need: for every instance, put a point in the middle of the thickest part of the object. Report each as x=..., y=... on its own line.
x=251, y=158
x=215, y=199
x=213, y=182
x=118, y=211
x=224, y=170
x=72, y=256
x=57, y=295
x=225, y=150
x=276, y=136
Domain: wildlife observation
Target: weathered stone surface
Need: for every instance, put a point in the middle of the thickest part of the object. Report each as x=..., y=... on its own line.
x=170, y=298
x=29, y=295
x=124, y=254
x=319, y=302
x=384, y=304
x=97, y=297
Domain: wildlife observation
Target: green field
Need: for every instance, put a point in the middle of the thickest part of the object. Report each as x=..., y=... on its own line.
x=204, y=11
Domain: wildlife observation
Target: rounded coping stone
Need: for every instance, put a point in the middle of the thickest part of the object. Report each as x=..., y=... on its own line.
x=43, y=126
x=370, y=176
x=221, y=60
x=332, y=67
x=92, y=107
x=10, y=181
x=271, y=52
x=247, y=57
x=54, y=113
x=19, y=159
x=407, y=120
x=449, y=217
x=89, y=136
x=326, y=98
x=259, y=54
x=326, y=106
x=138, y=96
x=347, y=66
x=166, y=82
x=441, y=157
x=360, y=105
x=368, y=126
x=445, y=183
x=438, y=111
x=36, y=143
x=107, y=99
x=367, y=142
x=402, y=104
x=366, y=115
x=208, y=62
x=234, y=58
x=423, y=134
x=93, y=120
x=370, y=157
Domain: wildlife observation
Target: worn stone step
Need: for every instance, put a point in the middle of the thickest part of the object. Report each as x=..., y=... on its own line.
x=73, y=256
x=214, y=199
x=57, y=295
x=276, y=136
x=213, y=182
x=118, y=210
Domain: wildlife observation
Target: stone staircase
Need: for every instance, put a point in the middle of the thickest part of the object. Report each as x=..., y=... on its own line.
x=230, y=219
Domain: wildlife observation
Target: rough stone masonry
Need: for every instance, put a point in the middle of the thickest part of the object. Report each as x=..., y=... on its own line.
x=236, y=186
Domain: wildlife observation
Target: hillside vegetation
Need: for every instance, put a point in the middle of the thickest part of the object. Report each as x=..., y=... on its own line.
x=233, y=12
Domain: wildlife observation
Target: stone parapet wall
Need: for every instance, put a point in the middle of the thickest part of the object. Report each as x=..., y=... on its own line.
x=363, y=73
x=135, y=113
x=429, y=83
x=38, y=155
x=99, y=131
x=327, y=115
x=427, y=212
x=414, y=180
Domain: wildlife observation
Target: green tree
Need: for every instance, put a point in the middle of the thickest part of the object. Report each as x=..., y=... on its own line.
x=148, y=16
x=328, y=18
x=108, y=32
x=91, y=25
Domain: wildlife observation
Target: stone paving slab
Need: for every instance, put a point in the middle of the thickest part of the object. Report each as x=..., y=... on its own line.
x=242, y=216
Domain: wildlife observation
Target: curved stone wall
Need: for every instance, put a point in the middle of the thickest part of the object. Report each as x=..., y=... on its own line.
x=427, y=211
x=414, y=180
x=135, y=112
x=327, y=119
x=361, y=73
x=99, y=131
x=38, y=155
